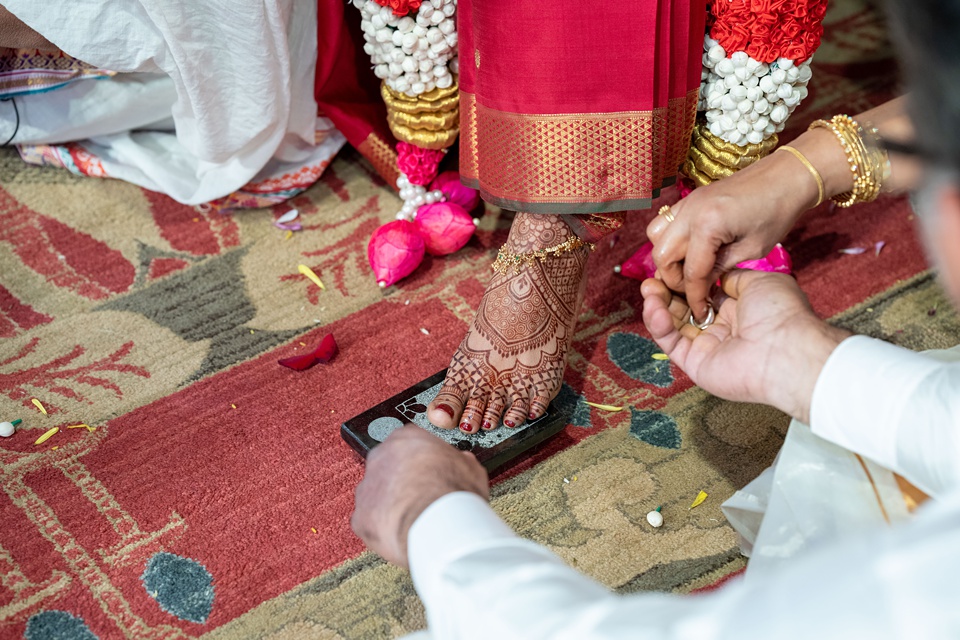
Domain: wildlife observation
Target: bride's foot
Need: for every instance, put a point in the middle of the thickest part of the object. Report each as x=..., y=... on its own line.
x=510, y=365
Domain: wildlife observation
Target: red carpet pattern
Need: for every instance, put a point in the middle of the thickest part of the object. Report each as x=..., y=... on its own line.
x=210, y=495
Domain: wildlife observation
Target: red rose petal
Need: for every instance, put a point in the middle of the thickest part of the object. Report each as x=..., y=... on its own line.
x=299, y=363
x=327, y=349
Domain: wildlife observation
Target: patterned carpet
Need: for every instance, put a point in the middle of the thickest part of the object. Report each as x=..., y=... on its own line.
x=212, y=496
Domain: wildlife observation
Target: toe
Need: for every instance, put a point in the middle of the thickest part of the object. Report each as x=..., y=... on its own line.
x=495, y=407
x=446, y=408
x=472, y=416
x=538, y=405
x=519, y=408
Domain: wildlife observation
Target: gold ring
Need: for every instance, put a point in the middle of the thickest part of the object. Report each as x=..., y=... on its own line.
x=667, y=213
x=702, y=326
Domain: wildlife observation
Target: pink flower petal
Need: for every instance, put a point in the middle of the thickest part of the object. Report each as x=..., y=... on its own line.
x=853, y=251
x=878, y=247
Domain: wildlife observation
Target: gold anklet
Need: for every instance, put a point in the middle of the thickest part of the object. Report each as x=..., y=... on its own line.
x=506, y=259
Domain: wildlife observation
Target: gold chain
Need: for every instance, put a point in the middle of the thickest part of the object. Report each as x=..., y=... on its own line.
x=507, y=259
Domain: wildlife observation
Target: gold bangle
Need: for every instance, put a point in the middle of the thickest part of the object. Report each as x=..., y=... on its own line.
x=866, y=167
x=507, y=259
x=812, y=169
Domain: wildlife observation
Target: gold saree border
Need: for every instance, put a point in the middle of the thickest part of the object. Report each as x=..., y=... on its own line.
x=574, y=163
x=382, y=156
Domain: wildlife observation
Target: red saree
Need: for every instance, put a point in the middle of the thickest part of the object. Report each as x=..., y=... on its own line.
x=576, y=108
x=347, y=92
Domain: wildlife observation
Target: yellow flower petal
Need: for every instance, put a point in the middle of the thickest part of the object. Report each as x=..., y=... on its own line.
x=660, y=356
x=307, y=271
x=605, y=407
x=39, y=405
x=49, y=434
x=699, y=499
x=79, y=426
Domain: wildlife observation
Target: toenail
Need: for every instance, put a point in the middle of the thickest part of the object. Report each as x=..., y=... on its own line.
x=532, y=415
x=465, y=426
x=487, y=425
x=446, y=409
x=510, y=423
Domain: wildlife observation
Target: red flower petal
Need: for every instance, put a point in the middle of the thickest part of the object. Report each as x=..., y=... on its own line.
x=299, y=363
x=327, y=349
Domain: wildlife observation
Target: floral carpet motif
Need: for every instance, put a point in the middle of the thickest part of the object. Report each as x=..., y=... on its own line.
x=211, y=494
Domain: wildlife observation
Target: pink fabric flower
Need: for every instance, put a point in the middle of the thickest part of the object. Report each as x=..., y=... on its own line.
x=777, y=261
x=395, y=250
x=641, y=266
x=449, y=183
x=444, y=226
x=418, y=164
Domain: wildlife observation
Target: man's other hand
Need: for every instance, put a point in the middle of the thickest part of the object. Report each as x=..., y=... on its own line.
x=405, y=475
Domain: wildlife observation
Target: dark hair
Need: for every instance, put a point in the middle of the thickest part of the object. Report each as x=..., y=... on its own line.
x=927, y=33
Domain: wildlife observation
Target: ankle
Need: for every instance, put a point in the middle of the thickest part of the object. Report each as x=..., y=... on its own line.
x=532, y=231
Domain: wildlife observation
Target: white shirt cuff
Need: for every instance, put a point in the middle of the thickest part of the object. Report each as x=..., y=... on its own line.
x=861, y=394
x=452, y=526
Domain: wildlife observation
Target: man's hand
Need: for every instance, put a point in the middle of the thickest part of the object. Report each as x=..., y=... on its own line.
x=765, y=346
x=405, y=475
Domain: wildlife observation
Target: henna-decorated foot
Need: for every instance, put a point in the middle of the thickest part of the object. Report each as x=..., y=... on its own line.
x=511, y=363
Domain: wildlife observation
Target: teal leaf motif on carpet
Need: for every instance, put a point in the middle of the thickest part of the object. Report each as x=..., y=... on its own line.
x=181, y=586
x=572, y=403
x=654, y=428
x=58, y=625
x=634, y=356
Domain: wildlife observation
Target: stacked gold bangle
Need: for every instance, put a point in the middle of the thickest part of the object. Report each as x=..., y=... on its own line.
x=869, y=165
x=507, y=259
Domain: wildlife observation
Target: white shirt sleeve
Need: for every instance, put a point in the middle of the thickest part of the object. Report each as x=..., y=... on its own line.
x=899, y=408
x=479, y=580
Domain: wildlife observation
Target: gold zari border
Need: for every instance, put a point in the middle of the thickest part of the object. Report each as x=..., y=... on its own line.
x=382, y=156
x=580, y=163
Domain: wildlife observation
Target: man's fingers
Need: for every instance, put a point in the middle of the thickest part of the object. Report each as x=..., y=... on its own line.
x=734, y=282
x=662, y=315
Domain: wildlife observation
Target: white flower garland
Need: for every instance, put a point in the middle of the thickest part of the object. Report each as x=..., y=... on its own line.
x=413, y=54
x=747, y=101
x=415, y=196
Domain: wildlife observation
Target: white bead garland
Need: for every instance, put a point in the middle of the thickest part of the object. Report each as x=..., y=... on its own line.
x=415, y=196
x=413, y=54
x=747, y=101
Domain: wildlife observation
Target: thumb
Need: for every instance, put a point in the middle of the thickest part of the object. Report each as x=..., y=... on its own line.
x=735, y=282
